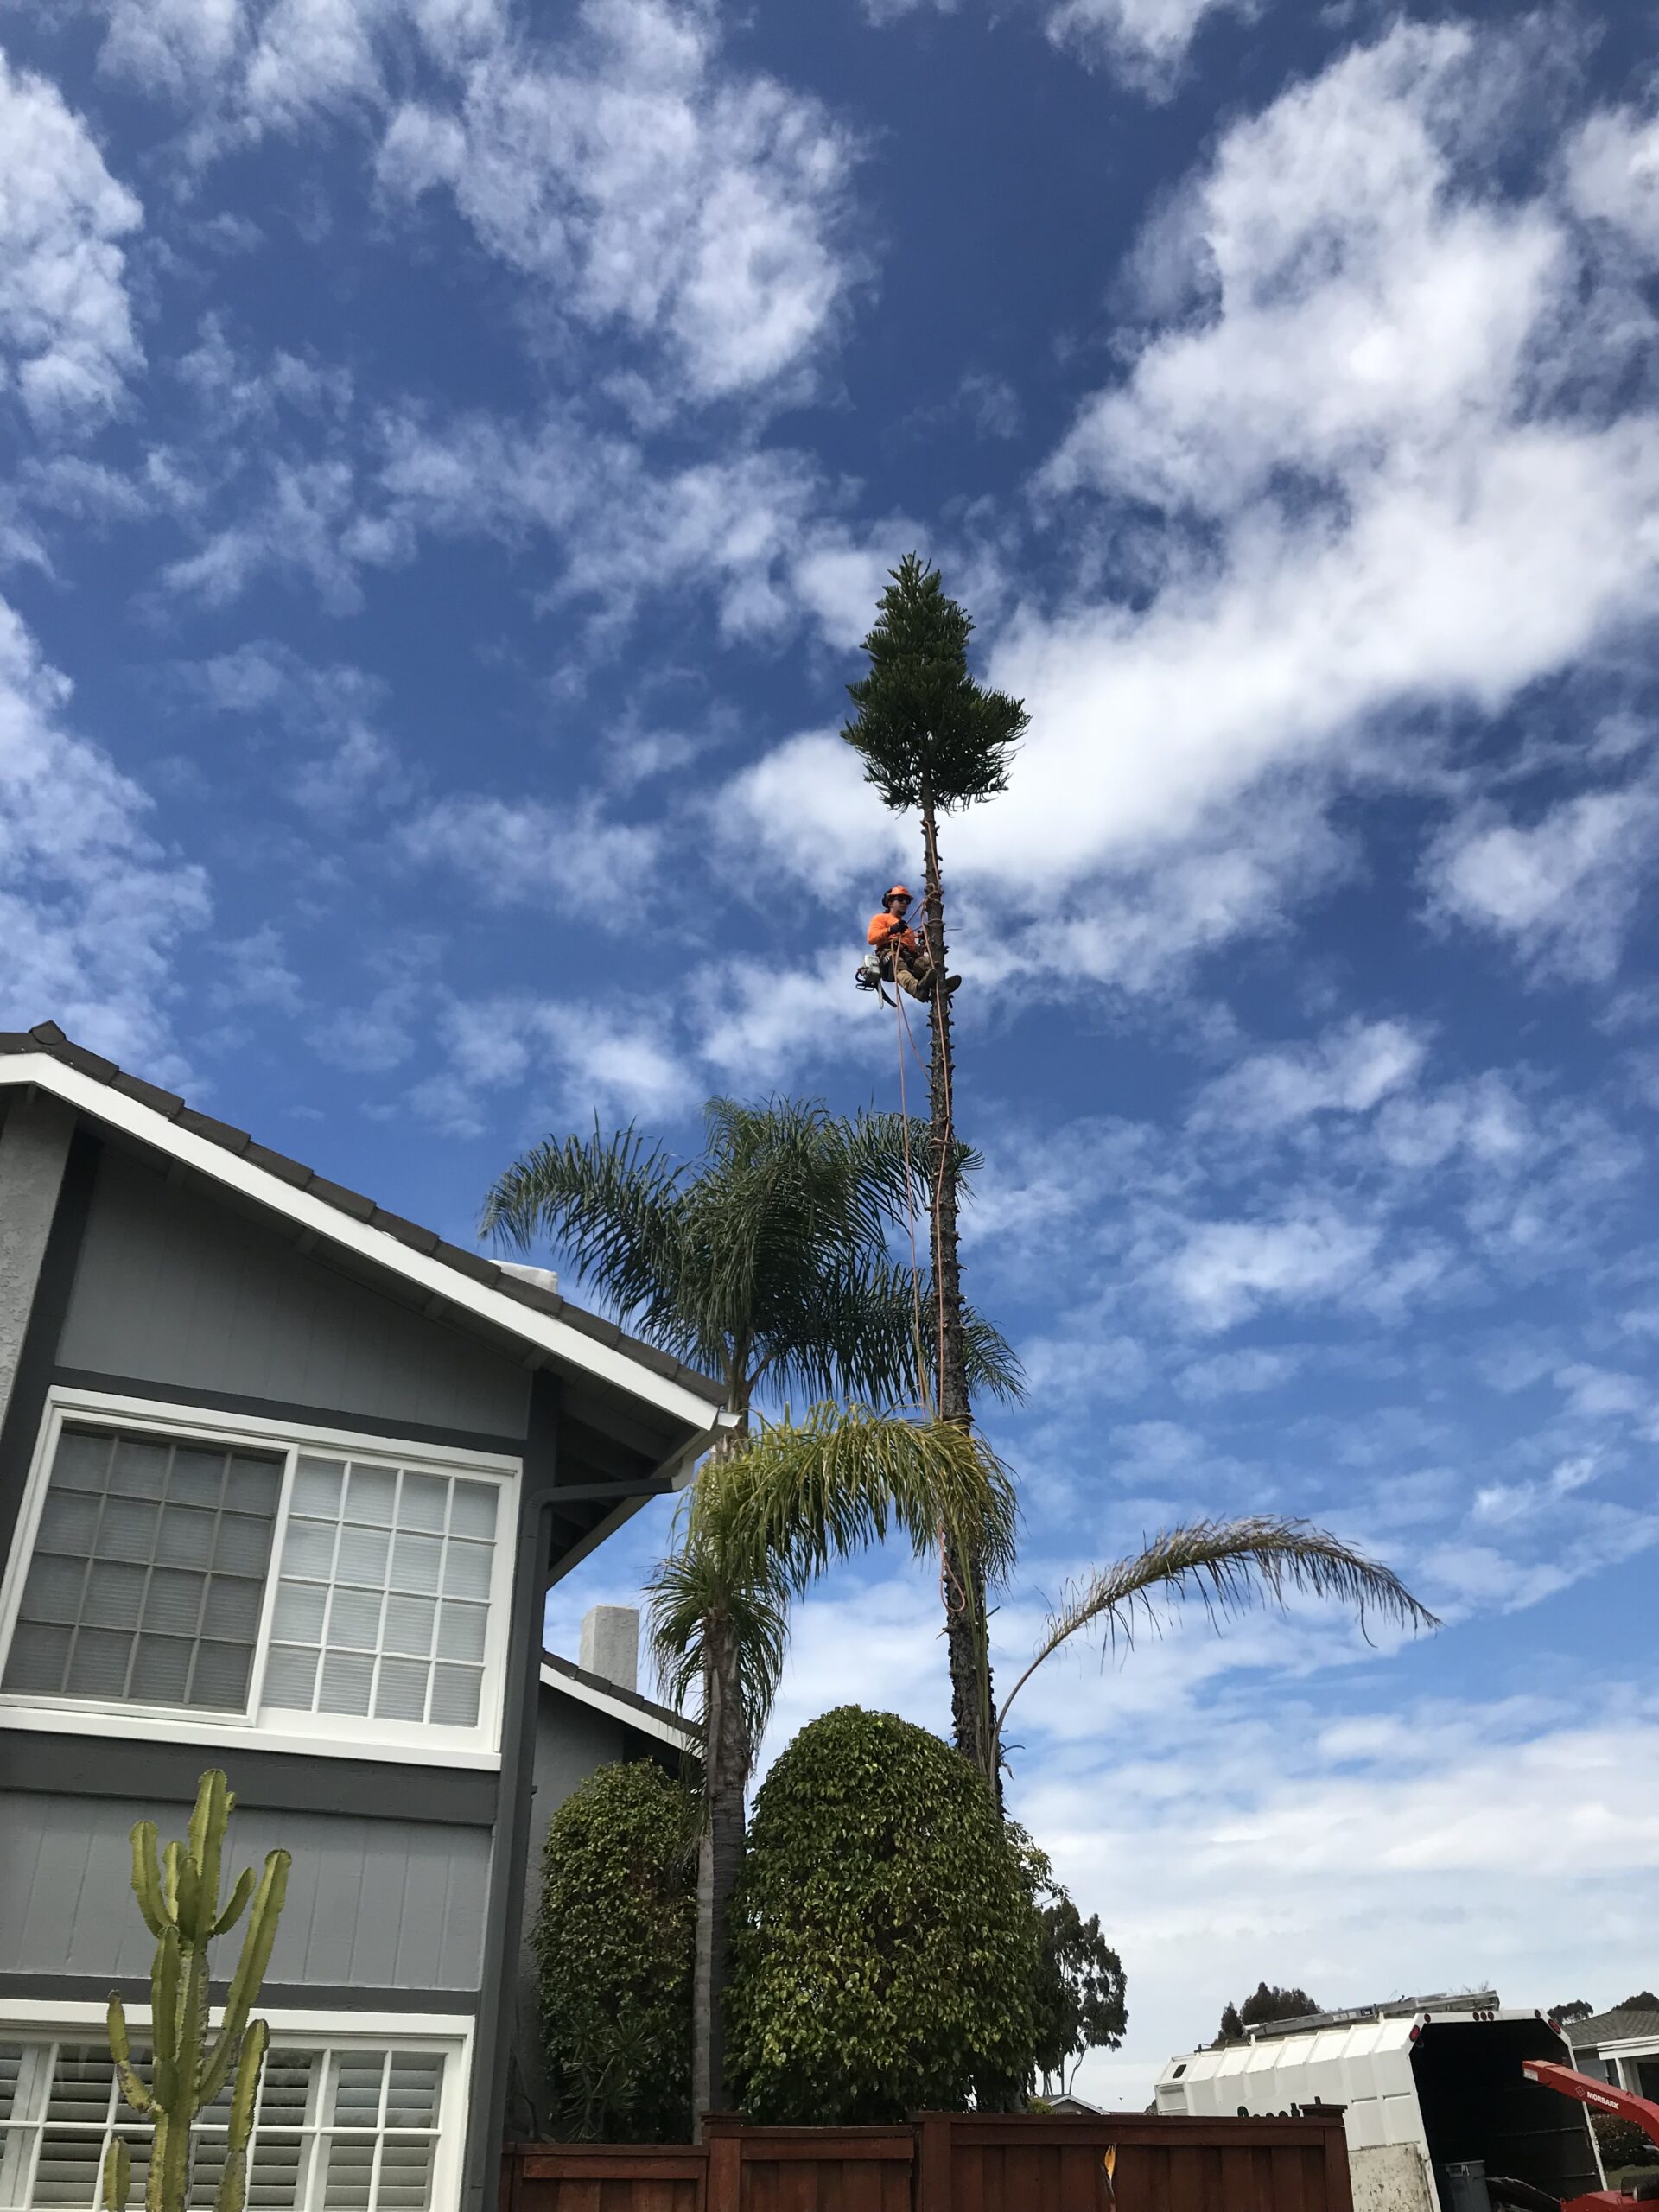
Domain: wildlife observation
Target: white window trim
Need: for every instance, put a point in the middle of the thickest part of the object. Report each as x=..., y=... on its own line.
x=451, y=2033
x=329, y=1735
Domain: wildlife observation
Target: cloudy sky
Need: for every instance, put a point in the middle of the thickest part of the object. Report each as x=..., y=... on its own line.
x=454, y=451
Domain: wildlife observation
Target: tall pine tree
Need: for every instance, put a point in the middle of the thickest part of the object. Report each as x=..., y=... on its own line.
x=934, y=740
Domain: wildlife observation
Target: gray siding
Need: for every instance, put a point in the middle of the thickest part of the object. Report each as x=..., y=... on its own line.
x=34, y=1147
x=175, y=1286
x=372, y=1903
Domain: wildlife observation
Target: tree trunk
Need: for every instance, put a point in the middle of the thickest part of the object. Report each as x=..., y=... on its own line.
x=964, y=1577
x=720, y=1859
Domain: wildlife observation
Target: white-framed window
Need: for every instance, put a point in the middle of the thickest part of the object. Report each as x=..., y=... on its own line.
x=346, y=1592
x=349, y=2119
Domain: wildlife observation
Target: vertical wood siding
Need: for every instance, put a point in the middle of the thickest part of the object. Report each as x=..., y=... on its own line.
x=372, y=1903
x=177, y=1287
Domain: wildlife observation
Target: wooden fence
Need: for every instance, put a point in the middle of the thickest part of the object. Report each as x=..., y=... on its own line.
x=951, y=2161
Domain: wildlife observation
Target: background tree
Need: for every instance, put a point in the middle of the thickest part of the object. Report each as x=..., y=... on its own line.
x=1228, y=1565
x=885, y=1942
x=766, y=1263
x=1081, y=1990
x=1576, y=2009
x=933, y=739
x=612, y=1937
x=1643, y=2001
x=1266, y=2002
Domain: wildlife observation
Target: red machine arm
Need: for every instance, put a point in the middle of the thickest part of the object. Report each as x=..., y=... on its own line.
x=1600, y=2095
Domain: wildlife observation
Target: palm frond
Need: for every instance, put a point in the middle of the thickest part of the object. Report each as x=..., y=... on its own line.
x=1228, y=1566
x=994, y=1366
x=613, y=1208
x=806, y=1492
x=705, y=1583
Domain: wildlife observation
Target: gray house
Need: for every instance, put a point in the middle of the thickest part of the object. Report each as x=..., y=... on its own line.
x=1621, y=2047
x=285, y=1480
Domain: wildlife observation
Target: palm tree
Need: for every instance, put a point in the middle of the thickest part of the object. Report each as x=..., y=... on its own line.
x=760, y=1524
x=933, y=739
x=1228, y=1565
x=766, y=1263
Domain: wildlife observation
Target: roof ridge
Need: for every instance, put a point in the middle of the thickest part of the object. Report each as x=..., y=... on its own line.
x=47, y=1036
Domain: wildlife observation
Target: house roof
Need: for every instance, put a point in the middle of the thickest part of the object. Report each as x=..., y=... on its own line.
x=97, y=1086
x=1624, y=2023
x=598, y=1690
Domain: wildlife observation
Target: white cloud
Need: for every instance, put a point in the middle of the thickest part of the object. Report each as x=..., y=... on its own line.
x=1353, y=403
x=1227, y=1269
x=337, y=760
x=1146, y=41
x=1612, y=171
x=67, y=337
x=93, y=906
x=645, y=185
x=1350, y=1071
x=527, y=851
x=576, y=1058
x=1562, y=888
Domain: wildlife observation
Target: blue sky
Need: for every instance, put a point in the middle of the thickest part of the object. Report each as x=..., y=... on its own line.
x=454, y=451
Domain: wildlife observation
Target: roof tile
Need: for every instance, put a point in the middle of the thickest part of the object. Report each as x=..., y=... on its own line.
x=406, y=1232
x=336, y=1194
x=278, y=1164
x=215, y=1131
x=150, y=1094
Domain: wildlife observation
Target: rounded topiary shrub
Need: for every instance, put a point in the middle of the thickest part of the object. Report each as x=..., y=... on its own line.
x=884, y=1937
x=613, y=1939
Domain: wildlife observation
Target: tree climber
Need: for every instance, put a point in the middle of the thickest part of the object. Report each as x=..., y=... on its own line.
x=904, y=958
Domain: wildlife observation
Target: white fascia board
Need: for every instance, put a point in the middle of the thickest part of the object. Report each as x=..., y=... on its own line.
x=605, y=1363
x=681, y=1734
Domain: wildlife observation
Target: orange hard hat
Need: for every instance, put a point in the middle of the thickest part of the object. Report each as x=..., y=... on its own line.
x=898, y=891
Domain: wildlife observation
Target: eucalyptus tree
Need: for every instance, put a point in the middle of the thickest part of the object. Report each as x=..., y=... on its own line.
x=935, y=742
x=767, y=1263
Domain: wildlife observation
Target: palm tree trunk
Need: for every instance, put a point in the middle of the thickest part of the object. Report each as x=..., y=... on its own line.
x=720, y=1859
x=966, y=1639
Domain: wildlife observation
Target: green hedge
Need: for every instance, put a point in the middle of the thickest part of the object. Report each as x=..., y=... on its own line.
x=885, y=1938
x=614, y=1941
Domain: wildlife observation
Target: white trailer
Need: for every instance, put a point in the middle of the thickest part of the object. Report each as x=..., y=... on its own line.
x=1422, y=2083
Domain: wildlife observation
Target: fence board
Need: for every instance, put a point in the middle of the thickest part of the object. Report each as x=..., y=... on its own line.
x=950, y=2162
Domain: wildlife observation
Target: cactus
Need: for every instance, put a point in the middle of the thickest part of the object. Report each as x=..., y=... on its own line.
x=179, y=1898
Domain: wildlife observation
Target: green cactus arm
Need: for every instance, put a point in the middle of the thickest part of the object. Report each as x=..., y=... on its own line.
x=250, y=2068
x=166, y=2031
x=121, y=2050
x=249, y=1972
x=238, y=1902
x=146, y=1878
x=190, y=1903
x=169, y=2165
x=172, y=1859
x=250, y=2064
x=208, y=1823
x=117, y=2178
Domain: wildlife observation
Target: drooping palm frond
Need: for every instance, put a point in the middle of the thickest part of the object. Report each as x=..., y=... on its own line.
x=805, y=1492
x=1228, y=1565
x=705, y=1585
x=614, y=1207
x=994, y=1366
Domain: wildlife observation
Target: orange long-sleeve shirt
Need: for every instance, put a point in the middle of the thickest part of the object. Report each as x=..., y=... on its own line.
x=886, y=929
